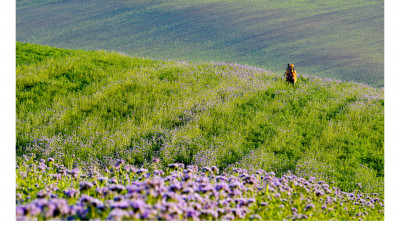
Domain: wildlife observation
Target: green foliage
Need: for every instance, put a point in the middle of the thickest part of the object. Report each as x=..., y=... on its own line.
x=28, y=53
x=338, y=38
x=94, y=106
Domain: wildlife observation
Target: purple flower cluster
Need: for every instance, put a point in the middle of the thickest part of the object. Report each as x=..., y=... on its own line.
x=47, y=209
x=187, y=193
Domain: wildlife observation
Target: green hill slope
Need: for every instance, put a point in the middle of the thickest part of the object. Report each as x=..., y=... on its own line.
x=337, y=39
x=94, y=107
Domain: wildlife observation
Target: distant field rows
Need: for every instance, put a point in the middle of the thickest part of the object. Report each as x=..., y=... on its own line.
x=338, y=39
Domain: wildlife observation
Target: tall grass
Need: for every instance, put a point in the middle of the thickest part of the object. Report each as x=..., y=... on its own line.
x=90, y=108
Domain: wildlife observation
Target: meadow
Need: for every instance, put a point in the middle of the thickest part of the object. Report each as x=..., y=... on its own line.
x=87, y=111
x=337, y=39
x=125, y=192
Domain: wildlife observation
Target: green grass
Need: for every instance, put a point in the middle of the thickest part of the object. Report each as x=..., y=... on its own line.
x=337, y=39
x=93, y=107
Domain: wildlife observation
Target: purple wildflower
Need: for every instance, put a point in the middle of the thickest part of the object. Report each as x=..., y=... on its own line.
x=228, y=217
x=173, y=166
x=142, y=171
x=194, y=168
x=192, y=213
x=309, y=206
x=202, y=179
x=205, y=187
x=206, y=169
x=117, y=214
x=102, y=179
x=251, y=201
x=215, y=169
x=188, y=190
x=71, y=193
x=121, y=204
x=238, y=212
x=222, y=186
x=85, y=185
x=117, y=188
x=175, y=187
x=112, y=181
x=119, y=162
x=319, y=192
x=250, y=179
x=50, y=160
x=32, y=209
x=41, y=194
x=255, y=217
x=158, y=172
x=210, y=212
x=20, y=211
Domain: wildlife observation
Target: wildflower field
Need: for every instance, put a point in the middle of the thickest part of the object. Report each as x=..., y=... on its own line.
x=104, y=136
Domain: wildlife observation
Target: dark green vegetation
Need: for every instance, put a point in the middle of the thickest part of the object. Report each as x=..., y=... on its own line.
x=338, y=39
x=93, y=107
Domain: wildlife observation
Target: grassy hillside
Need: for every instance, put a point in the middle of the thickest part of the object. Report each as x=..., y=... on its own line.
x=111, y=137
x=94, y=107
x=337, y=39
